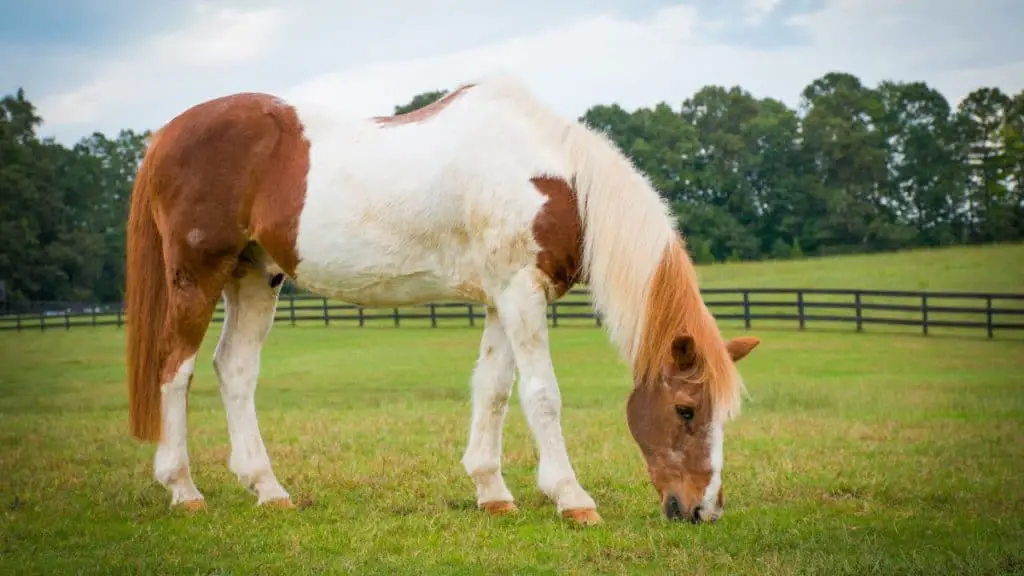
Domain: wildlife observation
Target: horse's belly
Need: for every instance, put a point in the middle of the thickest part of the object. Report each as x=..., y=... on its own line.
x=360, y=271
x=388, y=291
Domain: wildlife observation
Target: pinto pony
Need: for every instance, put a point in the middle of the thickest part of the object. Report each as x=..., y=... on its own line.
x=484, y=196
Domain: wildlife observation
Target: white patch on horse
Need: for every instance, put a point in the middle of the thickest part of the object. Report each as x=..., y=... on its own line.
x=522, y=308
x=491, y=385
x=171, y=463
x=249, y=305
x=409, y=213
x=194, y=237
x=716, y=441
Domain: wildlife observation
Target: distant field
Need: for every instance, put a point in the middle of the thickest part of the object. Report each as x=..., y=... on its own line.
x=998, y=268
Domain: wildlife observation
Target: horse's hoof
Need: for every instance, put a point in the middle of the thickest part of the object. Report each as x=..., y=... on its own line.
x=192, y=505
x=282, y=503
x=498, y=508
x=582, y=516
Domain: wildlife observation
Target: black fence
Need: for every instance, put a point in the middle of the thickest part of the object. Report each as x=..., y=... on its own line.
x=923, y=311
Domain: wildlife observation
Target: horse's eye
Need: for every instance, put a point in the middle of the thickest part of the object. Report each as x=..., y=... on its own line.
x=685, y=412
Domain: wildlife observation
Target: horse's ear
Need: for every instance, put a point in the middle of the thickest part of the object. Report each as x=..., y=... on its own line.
x=684, y=352
x=740, y=347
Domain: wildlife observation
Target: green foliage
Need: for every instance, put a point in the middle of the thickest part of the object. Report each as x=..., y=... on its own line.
x=63, y=210
x=780, y=250
x=855, y=169
x=420, y=100
x=795, y=253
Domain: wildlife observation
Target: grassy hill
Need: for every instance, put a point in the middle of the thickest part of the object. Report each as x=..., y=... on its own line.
x=997, y=268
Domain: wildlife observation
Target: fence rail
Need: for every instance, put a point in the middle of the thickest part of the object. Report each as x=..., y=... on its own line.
x=798, y=307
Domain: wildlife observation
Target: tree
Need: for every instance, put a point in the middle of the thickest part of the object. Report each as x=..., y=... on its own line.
x=420, y=100
x=980, y=122
x=847, y=151
x=1013, y=148
x=921, y=168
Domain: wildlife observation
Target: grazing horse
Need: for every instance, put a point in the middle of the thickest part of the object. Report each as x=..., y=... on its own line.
x=484, y=196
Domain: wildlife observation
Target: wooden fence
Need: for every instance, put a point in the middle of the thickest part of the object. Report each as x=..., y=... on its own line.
x=924, y=311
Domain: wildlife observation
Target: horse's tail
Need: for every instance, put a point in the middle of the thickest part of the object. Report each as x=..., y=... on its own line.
x=146, y=307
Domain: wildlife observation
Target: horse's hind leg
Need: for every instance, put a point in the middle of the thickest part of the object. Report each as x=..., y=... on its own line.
x=192, y=297
x=171, y=462
x=250, y=299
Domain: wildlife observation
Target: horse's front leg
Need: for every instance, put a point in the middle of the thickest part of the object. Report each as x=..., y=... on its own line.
x=522, y=309
x=492, y=383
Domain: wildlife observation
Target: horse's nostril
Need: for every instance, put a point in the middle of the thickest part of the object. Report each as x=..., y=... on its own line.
x=695, y=518
x=673, y=509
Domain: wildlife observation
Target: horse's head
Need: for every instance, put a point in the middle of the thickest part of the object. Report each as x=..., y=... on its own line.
x=677, y=419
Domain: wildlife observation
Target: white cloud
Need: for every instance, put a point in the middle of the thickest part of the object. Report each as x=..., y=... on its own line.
x=571, y=62
x=221, y=37
x=217, y=38
x=759, y=9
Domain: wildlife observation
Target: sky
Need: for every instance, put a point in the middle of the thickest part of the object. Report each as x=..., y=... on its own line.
x=104, y=65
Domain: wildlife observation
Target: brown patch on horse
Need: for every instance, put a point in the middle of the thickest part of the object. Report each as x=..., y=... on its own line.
x=193, y=505
x=424, y=113
x=675, y=449
x=218, y=175
x=499, y=508
x=558, y=231
x=280, y=503
x=582, y=516
x=277, y=203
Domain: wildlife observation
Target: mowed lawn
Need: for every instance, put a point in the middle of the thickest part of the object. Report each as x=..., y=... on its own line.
x=855, y=453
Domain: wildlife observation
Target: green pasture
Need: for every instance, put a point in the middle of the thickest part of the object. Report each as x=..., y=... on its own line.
x=880, y=452
x=991, y=268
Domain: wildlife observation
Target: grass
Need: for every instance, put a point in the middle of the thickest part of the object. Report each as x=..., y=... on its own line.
x=989, y=268
x=856, y=453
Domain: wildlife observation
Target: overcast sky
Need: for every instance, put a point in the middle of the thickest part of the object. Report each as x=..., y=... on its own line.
x=102, y=65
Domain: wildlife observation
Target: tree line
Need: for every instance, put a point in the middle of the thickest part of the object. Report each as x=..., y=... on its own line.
x=853, y=169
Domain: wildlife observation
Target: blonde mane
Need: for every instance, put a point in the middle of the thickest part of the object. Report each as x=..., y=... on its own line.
x=641, y=278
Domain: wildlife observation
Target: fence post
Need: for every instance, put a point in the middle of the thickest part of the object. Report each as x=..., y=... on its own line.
x=17, y=321
x=746, y=309
x=800, y=307
x=597, y=318
x=291, y=308
x=924, y=314
x=362, y=316
x=395, y=314
x=327, y=316
x=433, y=315
x=988, y=314
x=860, y=319
x=472, y=320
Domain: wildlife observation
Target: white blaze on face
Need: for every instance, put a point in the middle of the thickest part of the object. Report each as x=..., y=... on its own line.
x=715, y=439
